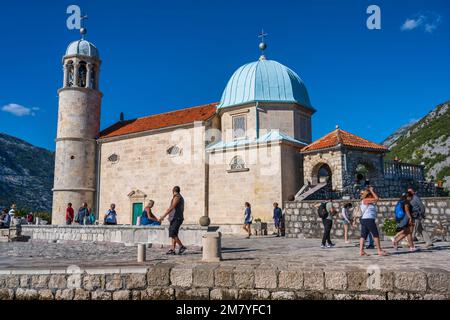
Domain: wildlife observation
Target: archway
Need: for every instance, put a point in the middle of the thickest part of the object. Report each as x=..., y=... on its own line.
x=321, y=173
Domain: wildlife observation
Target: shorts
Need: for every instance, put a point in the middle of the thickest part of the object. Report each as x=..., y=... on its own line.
x=277, y=222
x=345, y=221
x=368, y=226
x=174, y=227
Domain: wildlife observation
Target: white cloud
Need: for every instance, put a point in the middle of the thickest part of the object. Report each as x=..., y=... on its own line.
x=18, y=110
x=427, y=22
x=411, y=24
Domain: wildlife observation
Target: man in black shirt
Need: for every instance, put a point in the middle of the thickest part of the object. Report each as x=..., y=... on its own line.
x=176, y=217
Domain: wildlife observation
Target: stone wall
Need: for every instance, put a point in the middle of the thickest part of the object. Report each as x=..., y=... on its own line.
x=164, y=281
x=302, y=219
x=159, y=235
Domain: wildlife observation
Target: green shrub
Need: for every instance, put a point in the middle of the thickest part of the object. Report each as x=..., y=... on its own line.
x=390, y=227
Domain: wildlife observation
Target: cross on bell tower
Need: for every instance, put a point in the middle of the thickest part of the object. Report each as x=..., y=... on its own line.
x=83, y=30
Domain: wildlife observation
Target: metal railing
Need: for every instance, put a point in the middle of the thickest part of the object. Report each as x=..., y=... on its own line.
x=403, y=171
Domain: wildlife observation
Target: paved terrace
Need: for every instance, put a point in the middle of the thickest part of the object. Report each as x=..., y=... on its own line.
x=266, y=250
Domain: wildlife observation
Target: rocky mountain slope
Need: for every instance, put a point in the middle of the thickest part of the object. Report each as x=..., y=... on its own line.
x=26, y=175
x=426, y=141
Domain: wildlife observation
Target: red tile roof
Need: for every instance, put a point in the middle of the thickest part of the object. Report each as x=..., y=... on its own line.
x=345, y=138
x=162, y=120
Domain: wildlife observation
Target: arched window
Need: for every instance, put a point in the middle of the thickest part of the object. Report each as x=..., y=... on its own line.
x=92, y=79
x=82, y=71
x=69, y=70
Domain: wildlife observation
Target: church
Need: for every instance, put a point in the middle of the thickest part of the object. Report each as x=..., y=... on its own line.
x=251, y=146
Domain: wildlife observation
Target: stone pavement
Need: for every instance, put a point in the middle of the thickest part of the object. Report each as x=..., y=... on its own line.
x=236, y=250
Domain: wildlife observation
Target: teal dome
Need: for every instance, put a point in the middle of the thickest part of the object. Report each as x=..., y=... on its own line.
x=264, y=81
x=83, y=48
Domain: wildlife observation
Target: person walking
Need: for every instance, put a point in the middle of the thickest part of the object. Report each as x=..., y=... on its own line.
x=418, y=214
x=176, y=218
x=248, y=219
x=326, y=212
x=70, y=214
x=111, y=215
x=406, y=223
x=346, y=219
x=83, y=212
x=277, y=216
x=368, y=225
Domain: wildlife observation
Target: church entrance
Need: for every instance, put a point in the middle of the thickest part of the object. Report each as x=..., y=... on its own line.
x=324, y=174
x=137, y=212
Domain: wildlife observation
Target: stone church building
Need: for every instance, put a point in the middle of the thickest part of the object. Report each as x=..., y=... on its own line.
x=253, y=146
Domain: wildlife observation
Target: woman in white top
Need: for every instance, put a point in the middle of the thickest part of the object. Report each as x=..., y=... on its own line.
x=368, y=225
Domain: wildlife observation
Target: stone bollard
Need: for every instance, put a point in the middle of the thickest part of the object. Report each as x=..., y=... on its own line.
x=212, y=247
x=138, y=221
x=38, y=221
x=141, y=252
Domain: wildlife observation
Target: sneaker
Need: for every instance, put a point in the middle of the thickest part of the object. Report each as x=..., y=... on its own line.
x=182, y=249
x=330, y=245
x=322, y=246
x=171, y=252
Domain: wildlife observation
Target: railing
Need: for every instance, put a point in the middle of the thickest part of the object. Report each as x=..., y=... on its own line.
x=423, y=189
x=403, y=171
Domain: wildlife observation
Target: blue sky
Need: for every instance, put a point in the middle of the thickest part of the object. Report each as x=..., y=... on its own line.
x=164, y=55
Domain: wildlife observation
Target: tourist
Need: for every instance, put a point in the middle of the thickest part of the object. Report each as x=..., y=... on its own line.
x=111, y=215
x=83, y=212
x=13, y=211
x=346, y=219
x=148, y=218
x=176, y=217
x=91, y=217
x=5, y=219
x=70, y=215
x=368, y=225
x=356, y=218
x=30, y=218
x=248, y=219
x=277, y=217
x=418, y=214
x=326, y=212
x=405, y=226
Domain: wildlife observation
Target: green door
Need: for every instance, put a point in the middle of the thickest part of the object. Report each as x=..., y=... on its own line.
x=137, y=211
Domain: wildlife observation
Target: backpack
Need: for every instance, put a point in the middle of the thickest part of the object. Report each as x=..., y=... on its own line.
x=399, y=212
x=77, y=217
x=322, y=210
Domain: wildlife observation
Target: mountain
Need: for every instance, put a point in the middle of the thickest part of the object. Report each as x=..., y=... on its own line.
x=426, y=141
x=26, y=175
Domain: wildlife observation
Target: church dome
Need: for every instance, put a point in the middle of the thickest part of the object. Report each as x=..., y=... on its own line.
x=82, y=48
x=264, y=81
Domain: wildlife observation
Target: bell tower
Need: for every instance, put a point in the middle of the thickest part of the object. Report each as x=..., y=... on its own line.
x=78, y=128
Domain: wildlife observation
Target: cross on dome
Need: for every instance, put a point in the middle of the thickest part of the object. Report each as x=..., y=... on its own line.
x=262, y=45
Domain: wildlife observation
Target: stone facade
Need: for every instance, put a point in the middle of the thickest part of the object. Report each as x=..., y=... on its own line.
x=164, y=281
x=343, y=163
x=144, y=165
x=260, y=185
x=302, y=220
